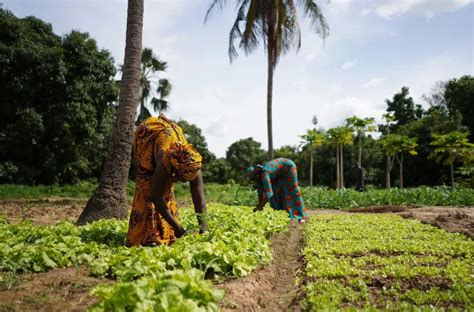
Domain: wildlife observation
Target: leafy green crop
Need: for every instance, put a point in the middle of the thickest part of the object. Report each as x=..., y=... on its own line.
x=386, y=262
x=237, y=195
x=155, y=278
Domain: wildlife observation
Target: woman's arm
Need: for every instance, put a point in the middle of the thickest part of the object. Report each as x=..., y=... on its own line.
x=158, y=185
x=262, y=201
x=199, y=201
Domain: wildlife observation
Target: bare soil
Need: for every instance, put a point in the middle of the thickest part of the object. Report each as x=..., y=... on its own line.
x=273, y=287
x=451, y=219
x=58, y=290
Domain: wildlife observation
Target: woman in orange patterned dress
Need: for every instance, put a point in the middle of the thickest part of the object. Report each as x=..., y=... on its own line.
x=163, y=156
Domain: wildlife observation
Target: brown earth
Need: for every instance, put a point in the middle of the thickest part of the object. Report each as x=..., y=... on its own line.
x=451, y=219
x=58, y=290
x=273, y=287
x=42, y=211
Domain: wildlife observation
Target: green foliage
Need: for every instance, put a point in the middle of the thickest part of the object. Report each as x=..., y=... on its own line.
x=218, y=171
x=403, y=109
x=451, y=147
x=196, y=138
x=151, y=278
x=237, y=195
x=347, y=198
x=339, y=136
x=83, y=189
x=393, y=144
x=242, y=154
x=459, y=99
x=373, y=262
x=361, y=125
x=313, y=138
x=57, y=103
x=253, y=23
x=151, y=86
x=177, y=290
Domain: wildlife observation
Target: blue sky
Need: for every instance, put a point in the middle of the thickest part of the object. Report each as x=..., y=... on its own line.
x=374, y=48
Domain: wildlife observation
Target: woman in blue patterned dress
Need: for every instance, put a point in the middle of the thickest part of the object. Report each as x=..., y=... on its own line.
x=277, y=183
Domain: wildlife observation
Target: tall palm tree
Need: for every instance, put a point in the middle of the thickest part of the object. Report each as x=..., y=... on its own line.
x=149, y=86
x=274, y=22
x=109, y=200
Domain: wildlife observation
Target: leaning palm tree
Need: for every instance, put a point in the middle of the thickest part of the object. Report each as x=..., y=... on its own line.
x=109, y=200
x=274, y=22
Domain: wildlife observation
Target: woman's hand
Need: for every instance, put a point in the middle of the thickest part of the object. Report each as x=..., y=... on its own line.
x=180, y=232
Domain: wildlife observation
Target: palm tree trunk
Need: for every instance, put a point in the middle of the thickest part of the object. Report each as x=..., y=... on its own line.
x=269, y=102
x=337, y=167
x=272, y=58
x=311, y=168
x=109, y=200
x=451, y=167
x=341, y=157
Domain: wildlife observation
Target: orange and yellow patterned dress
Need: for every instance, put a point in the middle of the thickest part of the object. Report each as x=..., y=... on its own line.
x=146, y=225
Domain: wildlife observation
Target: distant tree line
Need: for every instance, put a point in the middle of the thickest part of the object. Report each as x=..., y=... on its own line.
x=58, y=99
x=57, y=103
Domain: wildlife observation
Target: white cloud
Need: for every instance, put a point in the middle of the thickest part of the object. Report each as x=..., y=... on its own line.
x=374, y=82
x=348, y=65
x=390, y=8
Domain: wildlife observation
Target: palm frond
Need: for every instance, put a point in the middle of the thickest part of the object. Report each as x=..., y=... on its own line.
x=216, y=5
x=235, y=31
x=158, y=65
x=250, y=36
x=159, y=104
x=164, y=88
x=318, y=21
x=147, y=55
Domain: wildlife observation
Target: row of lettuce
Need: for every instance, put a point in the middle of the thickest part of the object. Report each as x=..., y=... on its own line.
x=234, y=194
x=148, y=279
x=384, y=262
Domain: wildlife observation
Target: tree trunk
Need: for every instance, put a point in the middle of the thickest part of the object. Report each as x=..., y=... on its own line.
x=271, y=54
x=311, y=168
x=387, y=175
x=359, y=158
x=269, y=106
x=400, y=162
x=337, y=167
x=341, y=157
x=451, y=168
x=109, y=200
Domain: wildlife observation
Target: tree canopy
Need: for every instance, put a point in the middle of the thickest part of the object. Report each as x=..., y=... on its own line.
x=57, y=103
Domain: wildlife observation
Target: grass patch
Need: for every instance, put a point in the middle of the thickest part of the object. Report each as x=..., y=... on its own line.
x=386, y=262
x=238, y=195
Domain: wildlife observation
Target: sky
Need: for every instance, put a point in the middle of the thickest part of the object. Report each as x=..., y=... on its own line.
x=375, y=47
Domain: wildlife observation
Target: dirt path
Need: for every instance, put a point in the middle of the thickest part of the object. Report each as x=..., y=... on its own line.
x=451, y=219
x=58, y=290
x=273, y=287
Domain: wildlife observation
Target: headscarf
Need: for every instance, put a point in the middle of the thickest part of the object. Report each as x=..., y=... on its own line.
x=182, y=160
x=252, y=172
